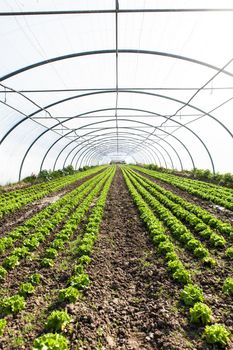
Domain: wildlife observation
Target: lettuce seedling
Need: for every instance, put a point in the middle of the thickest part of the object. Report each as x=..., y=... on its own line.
x=193, y=244
x=200, y=314
x=46, y=262
x=229, y=252
x=51, y=253
x=208, y=261
x=191, y=294
x=26, y=289
x=165, y=247
x=35, y=279
x=201, y=252
x=216, y=334
x=171, y=256
x=12, y=305
x=182, y=276
x=10, y=262
x=84, y=260
x=58, y=320
x=57, y=244
x=69, y=294
x=80, y=281
x=3, y=273
x=2, y=326
x=217, y=240
x=21, y=252
x=51, y=341
x=174, y=265
x=228, y=286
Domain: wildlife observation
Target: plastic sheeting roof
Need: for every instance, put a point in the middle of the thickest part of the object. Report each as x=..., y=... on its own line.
x=85, y=82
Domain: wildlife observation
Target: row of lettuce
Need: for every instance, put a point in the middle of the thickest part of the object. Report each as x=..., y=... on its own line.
x=218, y=195
x=160, y=213
x=80, y=204
x=217, y=178
x=12, y=200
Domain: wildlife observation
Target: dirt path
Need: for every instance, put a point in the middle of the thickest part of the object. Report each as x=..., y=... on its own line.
x=131, y=303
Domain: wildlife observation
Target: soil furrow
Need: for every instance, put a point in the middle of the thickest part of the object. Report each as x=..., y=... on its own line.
x=131, y=303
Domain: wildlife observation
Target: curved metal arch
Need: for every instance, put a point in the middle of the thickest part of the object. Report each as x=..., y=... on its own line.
x=107, y=147
x=112, y=51
x=113, y=91
x=95, y=153
x=123, y=136
x=103, y=137
x=120, y=133
x=101, y=155
x=77, y=116
x=132, y=109
x=129, y=133
x=126, y=138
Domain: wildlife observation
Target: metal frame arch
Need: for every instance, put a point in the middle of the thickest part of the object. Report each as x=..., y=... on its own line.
x=113, y=91
x=101, y=155
x=130, y=134
x=106, y=109
x=97, y=150
x=126, y=141
x=120, y=133
x=134, y=109
x=122, y=137
x=112, y=51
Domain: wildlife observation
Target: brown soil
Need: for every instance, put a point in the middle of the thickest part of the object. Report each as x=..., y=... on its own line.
x=131, y=304
x=220, y=212
x=12, y=220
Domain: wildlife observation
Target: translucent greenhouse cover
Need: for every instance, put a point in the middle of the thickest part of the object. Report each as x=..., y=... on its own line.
x=87, y=82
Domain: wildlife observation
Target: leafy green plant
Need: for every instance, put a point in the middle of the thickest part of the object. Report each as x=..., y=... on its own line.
x=217, y=240
x=174, y=265
x=69, y=294
x=84, y=260
x=80, y=281
x=78, y=269
x=46, y=262
x=229, y=252
x=208, y=261
x=12, y=305
x=26, y=289
x=51, y=253
x=21, y=252
x=200, y=313
x=206, y=233
x=228, y=286
x=57, y=244
x=171, y=256
x=165, y=247
x=193, y=244
x=10, y=262
x=35, y=279
x=2, y=326
x=51, y=341
x=58, y=320
x=216, y=334
x=31, y=243
x=201, y=252
x=182, y=276
x=191, y=294
x=3, y=273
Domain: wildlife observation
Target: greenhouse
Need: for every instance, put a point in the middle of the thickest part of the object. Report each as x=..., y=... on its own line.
x=116, y=177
